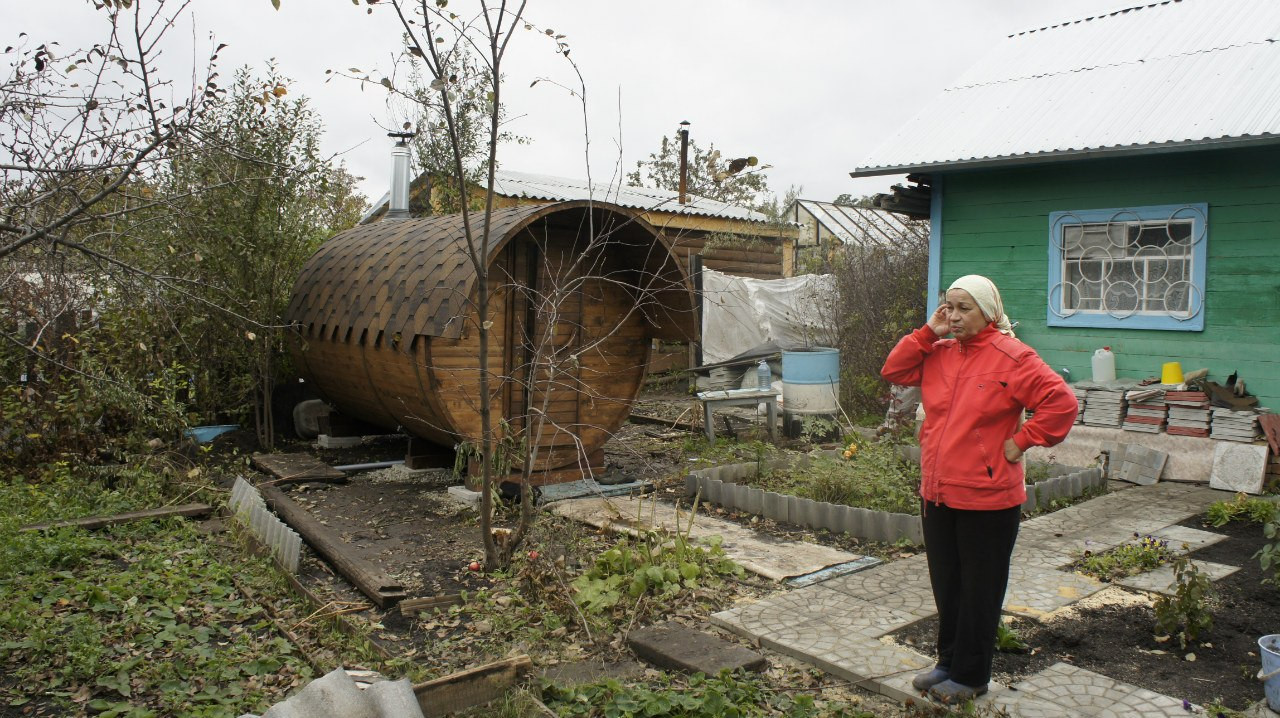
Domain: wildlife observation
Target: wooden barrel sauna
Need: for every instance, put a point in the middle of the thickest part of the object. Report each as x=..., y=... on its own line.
x=387, y=326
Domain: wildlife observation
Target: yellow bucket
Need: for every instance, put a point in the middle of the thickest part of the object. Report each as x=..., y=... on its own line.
x=1171, y=373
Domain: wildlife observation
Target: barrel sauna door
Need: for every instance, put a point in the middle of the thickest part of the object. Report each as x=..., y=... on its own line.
x=572, y=359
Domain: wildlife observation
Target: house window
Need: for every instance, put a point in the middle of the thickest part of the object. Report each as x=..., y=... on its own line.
x=1133, y=268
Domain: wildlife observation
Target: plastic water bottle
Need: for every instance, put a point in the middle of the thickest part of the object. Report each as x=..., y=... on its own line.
x=1104, y=365
x=764, y=377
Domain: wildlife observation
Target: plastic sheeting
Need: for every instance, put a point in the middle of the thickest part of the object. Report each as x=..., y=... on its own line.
x=739, y=313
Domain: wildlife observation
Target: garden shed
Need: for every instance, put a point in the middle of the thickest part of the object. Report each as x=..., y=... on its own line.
x=1118, y=176
x=387, y=326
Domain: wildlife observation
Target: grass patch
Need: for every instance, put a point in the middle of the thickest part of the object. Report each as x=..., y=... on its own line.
x=140, y=619
x=697, y=696
x=870, y=475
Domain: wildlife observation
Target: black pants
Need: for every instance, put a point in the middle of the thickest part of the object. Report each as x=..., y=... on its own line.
x=968, y=554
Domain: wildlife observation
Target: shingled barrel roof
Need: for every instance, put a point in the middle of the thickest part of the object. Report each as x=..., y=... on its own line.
x=407, y=277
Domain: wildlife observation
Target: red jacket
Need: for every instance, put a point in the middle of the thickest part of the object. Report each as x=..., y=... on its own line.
x=973, y=394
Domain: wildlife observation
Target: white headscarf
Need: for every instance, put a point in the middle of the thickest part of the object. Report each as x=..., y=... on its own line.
x=984, y=292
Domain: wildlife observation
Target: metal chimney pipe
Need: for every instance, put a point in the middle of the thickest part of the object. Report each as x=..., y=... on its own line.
x=398, y=206
x=684, y=161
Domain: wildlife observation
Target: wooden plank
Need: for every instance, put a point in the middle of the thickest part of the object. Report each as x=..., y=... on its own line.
x=472, y=687
x=97, y=522
x=297, y=467
x=413, y=606
x=372, y=581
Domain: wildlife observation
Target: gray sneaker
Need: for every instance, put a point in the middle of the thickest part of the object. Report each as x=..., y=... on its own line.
x=925, y=681
x=951, y=693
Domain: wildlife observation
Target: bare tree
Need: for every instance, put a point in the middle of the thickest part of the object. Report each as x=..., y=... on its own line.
x=77, y=128
x=442, y=41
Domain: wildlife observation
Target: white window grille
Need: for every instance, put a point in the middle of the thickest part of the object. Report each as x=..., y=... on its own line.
x=1137, y=268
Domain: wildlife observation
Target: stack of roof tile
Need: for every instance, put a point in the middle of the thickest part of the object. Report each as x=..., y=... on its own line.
x=1234, y=425
x=1104, y=407
x=1188, y=413
x=1146, y=410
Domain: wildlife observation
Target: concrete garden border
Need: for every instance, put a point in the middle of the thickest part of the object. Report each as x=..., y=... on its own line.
x=722, y=485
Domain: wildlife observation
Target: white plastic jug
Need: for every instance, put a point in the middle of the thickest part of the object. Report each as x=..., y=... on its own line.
x=1104, y=365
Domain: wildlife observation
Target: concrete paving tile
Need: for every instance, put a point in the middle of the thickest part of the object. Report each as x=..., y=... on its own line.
x=880, y=581
x=864, y=661
x=795, y=614
x=1048, y=559
x=916, y=602
x=897, y=686
x=1074, y=689
x=1193, y=538
x=1015, y=703
x=1035, y=592
x=1161, y=580
x=1142, y=703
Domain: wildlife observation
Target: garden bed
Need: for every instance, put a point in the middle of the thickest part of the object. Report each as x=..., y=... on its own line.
x=867, y=493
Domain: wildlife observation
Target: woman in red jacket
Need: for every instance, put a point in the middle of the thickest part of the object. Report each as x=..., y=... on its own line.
x=975, y=388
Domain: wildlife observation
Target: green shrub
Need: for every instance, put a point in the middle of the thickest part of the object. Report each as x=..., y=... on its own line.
x=1221, y=513
x=1186, y=613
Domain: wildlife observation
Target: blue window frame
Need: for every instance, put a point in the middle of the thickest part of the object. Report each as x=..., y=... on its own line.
x=1128, y=268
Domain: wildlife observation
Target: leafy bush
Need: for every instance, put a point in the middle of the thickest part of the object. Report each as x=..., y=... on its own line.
x=90, y=417
x=1186, y=613
x=1125, y=560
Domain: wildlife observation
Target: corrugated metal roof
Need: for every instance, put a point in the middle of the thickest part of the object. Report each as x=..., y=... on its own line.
x=862, y=225
x=538, y=186
x=559, y=189
x=1164, y=75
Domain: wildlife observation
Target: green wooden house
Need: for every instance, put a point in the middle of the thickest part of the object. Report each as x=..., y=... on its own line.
x=1118, y=177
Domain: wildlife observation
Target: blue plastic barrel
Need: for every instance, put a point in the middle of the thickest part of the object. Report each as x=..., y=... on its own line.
x=810, y=386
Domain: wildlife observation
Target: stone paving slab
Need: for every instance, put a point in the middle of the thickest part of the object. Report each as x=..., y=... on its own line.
x=675, y=646
x=1161, y=580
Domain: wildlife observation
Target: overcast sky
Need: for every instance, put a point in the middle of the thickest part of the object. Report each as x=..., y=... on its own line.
x=808, y=86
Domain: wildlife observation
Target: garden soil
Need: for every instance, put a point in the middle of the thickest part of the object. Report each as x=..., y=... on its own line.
x=406, y=524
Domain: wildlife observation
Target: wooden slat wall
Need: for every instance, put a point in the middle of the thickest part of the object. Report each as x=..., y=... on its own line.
x=996, y=223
